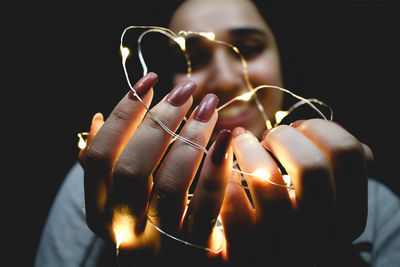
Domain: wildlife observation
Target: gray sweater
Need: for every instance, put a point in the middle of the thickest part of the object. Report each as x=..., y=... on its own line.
x=67, y=241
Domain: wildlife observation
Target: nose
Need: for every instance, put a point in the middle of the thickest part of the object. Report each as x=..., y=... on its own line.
x=226, y=72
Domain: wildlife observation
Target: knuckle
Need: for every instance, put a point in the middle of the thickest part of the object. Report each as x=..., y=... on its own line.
x=314, y=169
x=150, y=123
x=168, y=188
x=120, y=114
x=347, y=148
x=96, y=155
x=124, y=172
x=194, y=136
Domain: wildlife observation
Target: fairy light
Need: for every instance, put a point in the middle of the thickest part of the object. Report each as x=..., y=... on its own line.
x=181, y=41
x=82, y=140
x=122, y=225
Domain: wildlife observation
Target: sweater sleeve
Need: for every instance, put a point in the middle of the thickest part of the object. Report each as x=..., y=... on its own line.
x=382, y=232
x=66, y=239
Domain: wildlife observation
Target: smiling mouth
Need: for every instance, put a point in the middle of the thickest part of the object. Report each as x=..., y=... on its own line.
x=236, y=114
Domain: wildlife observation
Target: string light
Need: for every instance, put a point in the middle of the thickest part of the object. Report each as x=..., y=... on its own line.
x=180, y=39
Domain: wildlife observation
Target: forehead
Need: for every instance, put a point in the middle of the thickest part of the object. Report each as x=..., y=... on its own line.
x=217, y=16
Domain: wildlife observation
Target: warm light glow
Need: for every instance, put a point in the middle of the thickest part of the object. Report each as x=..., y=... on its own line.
x=280, y=115
x=123, y=228
x=125, y=53
x=262, y=173
x=119, y=237
x=245, y=96
x=208, y=35
x=287, y=180
x=82, y=141
x=181, y=42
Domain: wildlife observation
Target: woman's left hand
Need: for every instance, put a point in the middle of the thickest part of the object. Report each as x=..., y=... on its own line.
x=327, y=208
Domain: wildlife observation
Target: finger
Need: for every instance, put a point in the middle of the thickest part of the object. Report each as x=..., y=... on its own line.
x=369, y=155
x=97, y=122
x=253, y=158
x=312, y=178
x=348, y=159
x=145, y=149
x=239, y=221
x=169, y=196
x=106, y=146
x=267, y=188
x=204, y=207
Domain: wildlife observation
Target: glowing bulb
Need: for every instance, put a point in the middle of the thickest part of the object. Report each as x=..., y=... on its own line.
x=123, y=224
x=280, y=115
x=262, y=173
x=287, y=180
x=125, y=53
x=208, y=35
x=81, y=143
x=119, y=237
x=245, y=96
x=181, y=42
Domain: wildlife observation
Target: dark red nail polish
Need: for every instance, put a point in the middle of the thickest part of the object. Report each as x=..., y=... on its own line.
x=181, y=93
x=221, y=145
x=143, y=85
x=265, y=133
x=297, y=123
x=238, y=131
x=206, y=108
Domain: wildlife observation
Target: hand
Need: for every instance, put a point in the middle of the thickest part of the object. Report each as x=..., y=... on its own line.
x=121, y=156
x=328, y=207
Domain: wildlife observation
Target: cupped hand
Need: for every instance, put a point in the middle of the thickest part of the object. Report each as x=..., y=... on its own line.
x=326, y=210
x=123, y=201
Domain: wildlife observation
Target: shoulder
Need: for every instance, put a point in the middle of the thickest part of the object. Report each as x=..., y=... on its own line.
x=381, y=238
x=66, y=239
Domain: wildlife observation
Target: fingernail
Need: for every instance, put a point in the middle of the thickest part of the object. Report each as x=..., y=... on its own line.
x=97, y=117
x=297, y=123
x=206, y=108
x=181, y=93
x=238, y=131
x=222, y=143
x=143, y=85
x=265, y=133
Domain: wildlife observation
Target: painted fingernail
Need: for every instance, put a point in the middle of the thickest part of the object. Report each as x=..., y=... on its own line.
x=265, y=133
x=143, y=85
x=181, y=93
x=238, y=131
x=222, y=143
x=297, y=123
x=206, y=108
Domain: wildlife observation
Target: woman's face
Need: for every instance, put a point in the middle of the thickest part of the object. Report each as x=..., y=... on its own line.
x=216, y=68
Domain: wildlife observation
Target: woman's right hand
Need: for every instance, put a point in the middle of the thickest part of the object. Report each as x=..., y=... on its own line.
x=122, y=154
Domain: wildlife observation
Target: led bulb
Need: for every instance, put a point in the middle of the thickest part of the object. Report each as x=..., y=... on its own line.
x=125, y=53
x=181, y=42
x=245, y=96
x=262, y=173
x=280, y=115
x=81, y=143
x=208, y=35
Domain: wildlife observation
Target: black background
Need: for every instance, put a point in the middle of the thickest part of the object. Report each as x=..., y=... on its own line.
x=62, y=65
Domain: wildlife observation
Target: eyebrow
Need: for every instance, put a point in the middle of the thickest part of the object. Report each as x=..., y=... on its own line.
x=247, y=31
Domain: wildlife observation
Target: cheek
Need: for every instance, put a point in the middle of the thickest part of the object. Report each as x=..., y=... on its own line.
x=266, y=71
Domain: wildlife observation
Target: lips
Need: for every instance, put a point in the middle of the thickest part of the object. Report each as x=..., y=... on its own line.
x=236, y=114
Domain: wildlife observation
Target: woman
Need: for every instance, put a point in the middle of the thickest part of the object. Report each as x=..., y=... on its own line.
x=328, y=167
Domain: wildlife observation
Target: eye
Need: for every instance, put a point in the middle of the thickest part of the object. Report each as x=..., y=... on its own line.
x=250, y=49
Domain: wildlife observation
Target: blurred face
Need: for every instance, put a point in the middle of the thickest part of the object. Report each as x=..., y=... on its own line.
x=216, y=68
